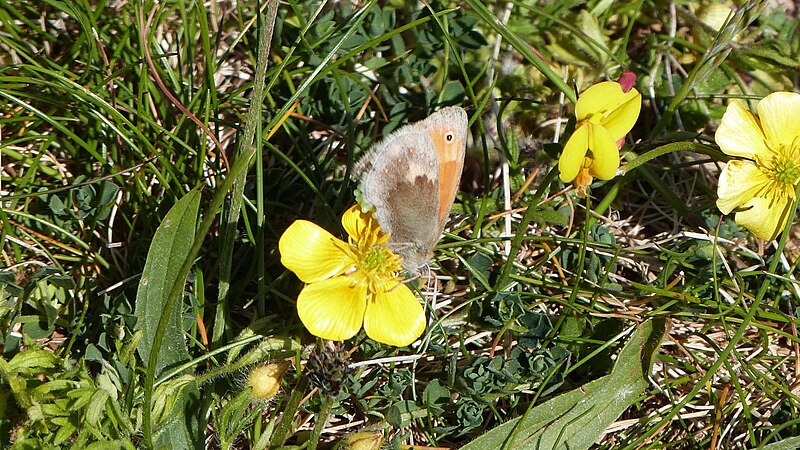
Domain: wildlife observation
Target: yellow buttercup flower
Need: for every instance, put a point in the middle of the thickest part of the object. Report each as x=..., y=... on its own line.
x=350, y=283
x=760, y=187
x=606, y=112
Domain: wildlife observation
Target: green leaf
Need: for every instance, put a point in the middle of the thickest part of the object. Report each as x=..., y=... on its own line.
x=769, y=52
x=32, y=361
x=576, y=419
x=596, y=43
x=82, y=396
x=64, y=432
x=791, y=443
x=550, y=217
x=93, y=353
x=403, y=412
x=636, y=161
x=97, y=407
x=436, y=397
x=232, y=419
x=452, y=93
x=479, y=264
x=170, y=247
x=176, y=412
x=37, y=329
x=110, y=445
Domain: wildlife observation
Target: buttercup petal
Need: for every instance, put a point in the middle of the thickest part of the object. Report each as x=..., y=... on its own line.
x=619, y=120
x=571, y=159
x=356, y=222
x=334, y=308
x=763, y=218
x=739, y=182
x=739, y=133
x=312, y=253
x=605, y=153
x=778, y=113
x=394, y=317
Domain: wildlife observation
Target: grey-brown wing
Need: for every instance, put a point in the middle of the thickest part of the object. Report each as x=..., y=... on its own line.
x=399, y=180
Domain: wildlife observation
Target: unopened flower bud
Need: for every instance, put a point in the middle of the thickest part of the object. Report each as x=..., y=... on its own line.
x=265, y=380
x=362, y=440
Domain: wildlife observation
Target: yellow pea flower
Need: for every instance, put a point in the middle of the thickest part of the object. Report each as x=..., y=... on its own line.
x=761, y=186
x=351, y=283
x=606, y=112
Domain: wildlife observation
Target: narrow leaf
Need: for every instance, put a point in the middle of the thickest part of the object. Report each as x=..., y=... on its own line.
x=170, y=248
x=32, y=361
x=791, y=443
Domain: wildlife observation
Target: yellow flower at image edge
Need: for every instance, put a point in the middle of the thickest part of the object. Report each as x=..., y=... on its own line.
x=605, y=114
x=761, y=186
x=351, y=283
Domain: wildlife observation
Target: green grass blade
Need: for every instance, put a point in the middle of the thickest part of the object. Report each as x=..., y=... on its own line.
x=522, y=47
x=231, y=219
x=714, y=56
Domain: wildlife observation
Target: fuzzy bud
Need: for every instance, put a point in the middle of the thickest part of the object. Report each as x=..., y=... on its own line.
x=265, y=380
x=362, y=440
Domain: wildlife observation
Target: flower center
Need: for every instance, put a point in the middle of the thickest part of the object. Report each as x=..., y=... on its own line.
x=786, y=172
x=378, y=265
x=374, y=262
x=782, y=169
x=375, y=258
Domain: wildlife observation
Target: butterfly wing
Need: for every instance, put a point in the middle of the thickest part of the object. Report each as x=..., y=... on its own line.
x=399, y=179
x=411, y=179
x=447, y=129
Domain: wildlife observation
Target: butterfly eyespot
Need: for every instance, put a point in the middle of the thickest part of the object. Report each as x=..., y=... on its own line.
x=449, y=137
